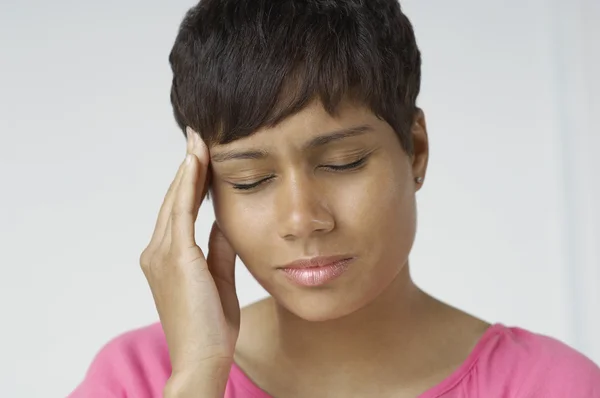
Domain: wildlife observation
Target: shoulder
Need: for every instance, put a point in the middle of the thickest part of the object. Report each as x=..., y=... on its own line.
x=135, y=363
x=535, y=365
x=554, y=369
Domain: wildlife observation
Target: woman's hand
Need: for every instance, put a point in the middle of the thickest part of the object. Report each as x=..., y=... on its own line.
x=195, y=295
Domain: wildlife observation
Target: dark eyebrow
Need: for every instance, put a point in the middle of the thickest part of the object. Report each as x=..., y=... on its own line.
x=337, y=135
x=321, y=140
x=231, y=155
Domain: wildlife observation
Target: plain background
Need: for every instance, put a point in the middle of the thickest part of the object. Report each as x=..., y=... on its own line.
x=509, y=215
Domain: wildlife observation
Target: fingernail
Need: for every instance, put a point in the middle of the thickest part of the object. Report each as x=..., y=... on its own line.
x=200, y=147
x=190, y=138
x=200, y=142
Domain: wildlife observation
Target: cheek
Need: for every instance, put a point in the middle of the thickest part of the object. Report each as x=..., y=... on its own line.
x=381, y=195
x=381, y=213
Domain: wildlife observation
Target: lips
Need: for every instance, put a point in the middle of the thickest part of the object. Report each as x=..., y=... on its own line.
x=316, y=271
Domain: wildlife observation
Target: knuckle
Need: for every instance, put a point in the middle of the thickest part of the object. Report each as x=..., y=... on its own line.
x=179, y=212
x=157, y=261
x=152, y=262
x=180, y=207
x=145, y=258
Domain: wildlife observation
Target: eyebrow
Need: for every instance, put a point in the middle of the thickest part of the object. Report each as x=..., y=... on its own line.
x=337, y=135
x=321, y=140
x=231, y=155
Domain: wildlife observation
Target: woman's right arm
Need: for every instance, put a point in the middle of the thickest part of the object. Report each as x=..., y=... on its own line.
x=195, y=295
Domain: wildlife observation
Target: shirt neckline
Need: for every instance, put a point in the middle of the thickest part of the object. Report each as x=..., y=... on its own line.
x=243, y=381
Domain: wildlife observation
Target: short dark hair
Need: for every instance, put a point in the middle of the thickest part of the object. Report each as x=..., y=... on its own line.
x=240, y=65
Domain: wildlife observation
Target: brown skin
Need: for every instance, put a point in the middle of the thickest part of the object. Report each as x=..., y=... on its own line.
x=307, y=210
x=371, y=332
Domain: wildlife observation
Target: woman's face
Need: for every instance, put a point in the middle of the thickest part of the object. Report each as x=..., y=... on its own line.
x=315, y=186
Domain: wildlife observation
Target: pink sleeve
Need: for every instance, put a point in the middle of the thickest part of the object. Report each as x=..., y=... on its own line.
x=563, y=373
x=133, y=365
x=102, y=378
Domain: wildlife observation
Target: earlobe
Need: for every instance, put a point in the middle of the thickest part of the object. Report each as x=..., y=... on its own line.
x=420, y=156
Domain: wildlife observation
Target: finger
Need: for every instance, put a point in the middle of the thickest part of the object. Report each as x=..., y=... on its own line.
x=183, y=217
x=164, y=214
x=221, y=265
x=200, y=149
x=165, y=209
x=221, y=256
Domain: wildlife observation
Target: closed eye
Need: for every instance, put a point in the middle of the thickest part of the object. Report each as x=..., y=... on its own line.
x=343, y=167
x=348, y=166
x=246, y=187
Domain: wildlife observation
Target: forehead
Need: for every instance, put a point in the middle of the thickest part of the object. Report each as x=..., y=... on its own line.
x=309, y=123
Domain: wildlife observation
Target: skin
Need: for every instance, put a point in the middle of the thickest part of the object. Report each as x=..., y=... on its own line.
x=308, y=210
x=370, y=332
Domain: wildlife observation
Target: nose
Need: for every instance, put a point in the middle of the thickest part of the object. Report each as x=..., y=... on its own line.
x=303, y=209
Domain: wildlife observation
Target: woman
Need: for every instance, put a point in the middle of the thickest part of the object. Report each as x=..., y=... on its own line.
x=301, y=121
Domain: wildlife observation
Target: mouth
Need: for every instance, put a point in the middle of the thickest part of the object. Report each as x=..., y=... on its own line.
x=316, y=271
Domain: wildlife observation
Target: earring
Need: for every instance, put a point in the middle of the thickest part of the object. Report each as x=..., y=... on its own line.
x=419, y=180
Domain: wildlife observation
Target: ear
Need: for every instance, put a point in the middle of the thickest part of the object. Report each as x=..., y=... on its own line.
x=420, y=155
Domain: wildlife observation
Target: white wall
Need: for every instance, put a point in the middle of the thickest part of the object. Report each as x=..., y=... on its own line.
x=509, y=218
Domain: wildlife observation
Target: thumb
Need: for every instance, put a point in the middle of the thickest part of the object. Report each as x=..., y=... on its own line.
x=221, y=256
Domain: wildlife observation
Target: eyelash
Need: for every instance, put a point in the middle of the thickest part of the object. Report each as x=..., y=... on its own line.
x=348, y=166
x=246, y=187
x=345, y=167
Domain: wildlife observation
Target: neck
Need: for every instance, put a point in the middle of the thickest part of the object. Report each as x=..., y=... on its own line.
x=390, y=328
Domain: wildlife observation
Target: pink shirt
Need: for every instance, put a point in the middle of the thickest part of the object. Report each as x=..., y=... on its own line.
x=507, y=362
